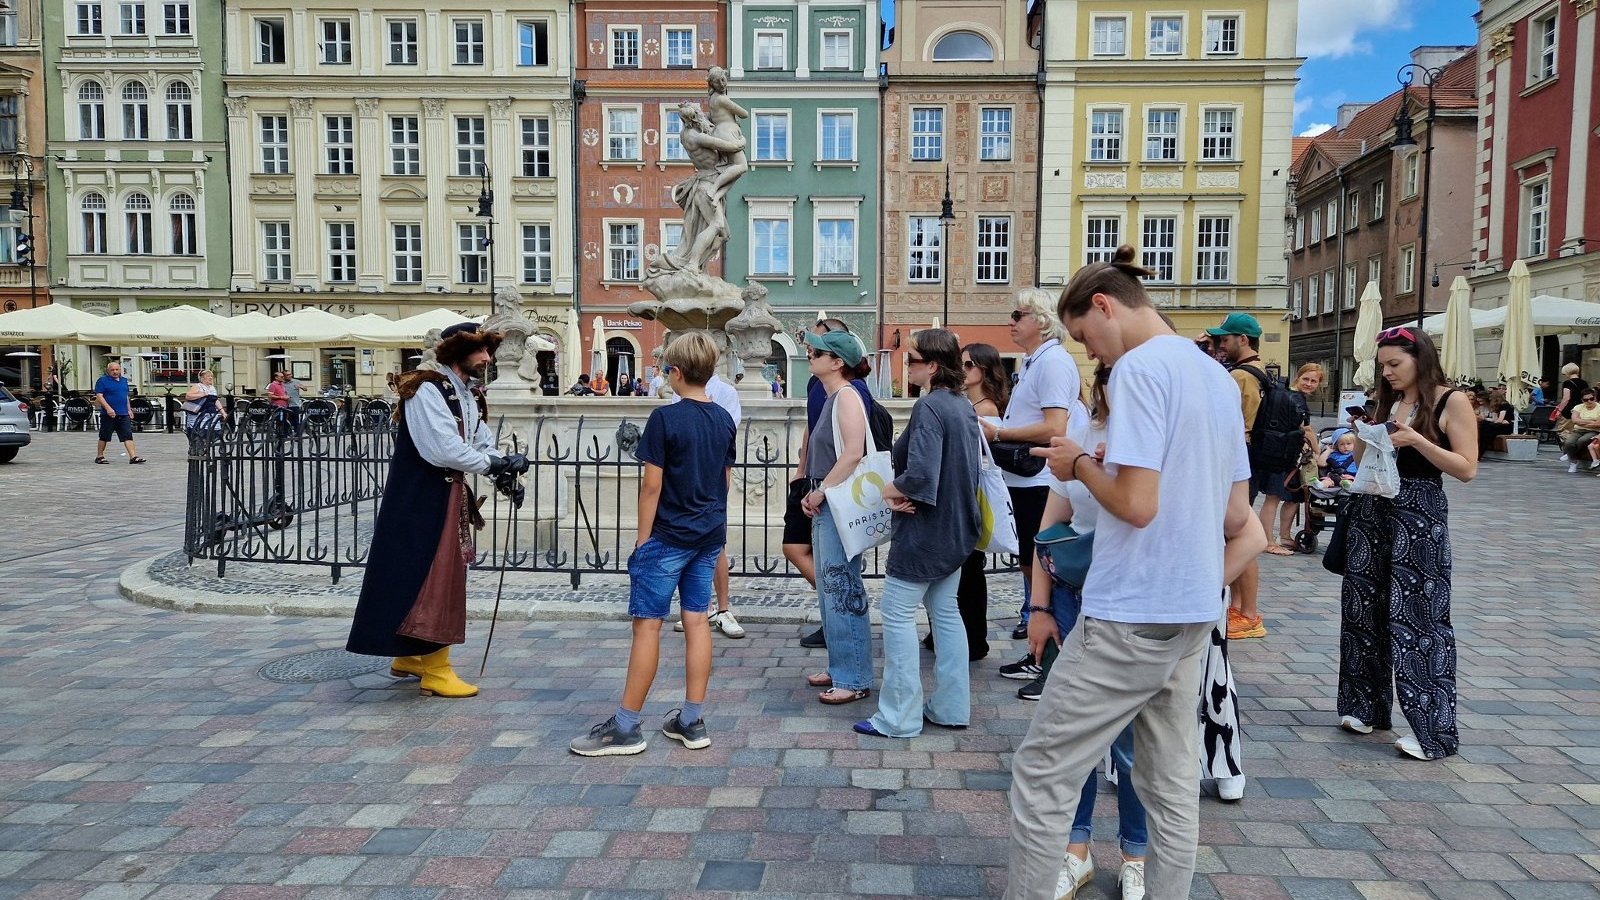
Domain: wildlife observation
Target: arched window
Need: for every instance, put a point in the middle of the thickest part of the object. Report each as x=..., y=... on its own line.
x=180, y=112
x=185, y=236
x=963, y=46
x=137, y=210
x=91, y=111
x=94, y=222
x=135, y=112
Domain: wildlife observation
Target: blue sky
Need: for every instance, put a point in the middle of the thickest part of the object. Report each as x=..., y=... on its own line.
x=1354, y=47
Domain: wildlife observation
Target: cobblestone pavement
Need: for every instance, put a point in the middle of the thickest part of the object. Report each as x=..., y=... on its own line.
x=142, y=756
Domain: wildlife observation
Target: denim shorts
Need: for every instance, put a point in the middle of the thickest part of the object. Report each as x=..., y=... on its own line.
x=656, y=569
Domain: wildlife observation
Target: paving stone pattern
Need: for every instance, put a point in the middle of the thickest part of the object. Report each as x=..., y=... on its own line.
x=142, y=758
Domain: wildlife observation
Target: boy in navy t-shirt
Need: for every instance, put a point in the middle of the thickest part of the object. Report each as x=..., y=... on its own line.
x=688, y=453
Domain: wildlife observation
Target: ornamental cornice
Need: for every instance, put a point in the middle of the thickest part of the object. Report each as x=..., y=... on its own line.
x=1584, y=7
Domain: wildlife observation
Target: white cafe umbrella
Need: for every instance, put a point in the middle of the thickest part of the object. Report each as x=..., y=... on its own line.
x=571, y=353
x=1519, y=358
x=309, y=327
x=407, y=332
x=1369, y=320
x=1459, y=355
x=182, y=325
x=597, y=353
x=51, y=322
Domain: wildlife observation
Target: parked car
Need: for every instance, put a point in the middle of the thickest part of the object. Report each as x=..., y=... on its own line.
x=14, y=433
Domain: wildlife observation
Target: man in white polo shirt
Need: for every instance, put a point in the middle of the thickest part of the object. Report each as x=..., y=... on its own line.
x=1176, y=525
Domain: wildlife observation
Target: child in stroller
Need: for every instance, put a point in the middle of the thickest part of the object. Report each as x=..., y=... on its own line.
x=1326, y=495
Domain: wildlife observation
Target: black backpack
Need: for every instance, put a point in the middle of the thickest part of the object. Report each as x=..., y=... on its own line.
x=1276, y=439
x=881, y=423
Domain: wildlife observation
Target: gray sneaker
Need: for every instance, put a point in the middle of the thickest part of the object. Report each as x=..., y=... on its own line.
x=608, y=739
x=692, y=736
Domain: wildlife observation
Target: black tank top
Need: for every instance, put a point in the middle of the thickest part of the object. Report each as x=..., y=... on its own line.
x=1410, y=462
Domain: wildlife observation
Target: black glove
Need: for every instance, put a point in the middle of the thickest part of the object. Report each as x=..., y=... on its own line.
x=510, y=488
x=515, y=463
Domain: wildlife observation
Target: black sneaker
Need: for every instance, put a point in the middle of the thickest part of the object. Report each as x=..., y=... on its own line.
x=1031, y=690
x=692, y=736
x=608, y=739
x=1024, y=669
x=1020, y=633
x=815, y=640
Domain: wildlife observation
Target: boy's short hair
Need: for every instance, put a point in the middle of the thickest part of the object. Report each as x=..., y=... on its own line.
x=694, y=355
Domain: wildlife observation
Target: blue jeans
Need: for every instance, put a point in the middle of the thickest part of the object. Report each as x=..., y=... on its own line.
x=1066, y=604
x=656, y=569
x=844, y=602
x=900, y=708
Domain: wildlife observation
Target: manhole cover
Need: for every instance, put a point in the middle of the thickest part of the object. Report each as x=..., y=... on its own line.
x=321, y=665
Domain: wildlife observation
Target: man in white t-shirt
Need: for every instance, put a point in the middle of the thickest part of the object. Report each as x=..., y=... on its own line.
x=1175, y=526
x=726, y=396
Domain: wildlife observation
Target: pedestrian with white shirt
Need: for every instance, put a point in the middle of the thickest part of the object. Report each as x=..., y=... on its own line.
x=726, y=396
x=1043, y=403
x=1175, y=526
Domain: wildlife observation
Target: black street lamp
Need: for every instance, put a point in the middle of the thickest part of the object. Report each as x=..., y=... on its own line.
x=1404, y=147
x=22, y=201
x=486, y=211
x=947, y=214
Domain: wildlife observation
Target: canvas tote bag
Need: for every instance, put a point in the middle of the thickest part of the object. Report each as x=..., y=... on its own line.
x=860, y=514
x=997, y=526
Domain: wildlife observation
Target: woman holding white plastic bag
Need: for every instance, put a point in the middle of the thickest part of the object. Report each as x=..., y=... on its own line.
x=936, y=526
x=840, y=591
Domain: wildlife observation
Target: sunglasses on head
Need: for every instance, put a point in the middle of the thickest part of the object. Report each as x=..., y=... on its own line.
x=1398, y=334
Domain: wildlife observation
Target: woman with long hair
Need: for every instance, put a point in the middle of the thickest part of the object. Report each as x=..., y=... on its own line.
x=1395, y=602
x=1278, y=504
x=936, y=524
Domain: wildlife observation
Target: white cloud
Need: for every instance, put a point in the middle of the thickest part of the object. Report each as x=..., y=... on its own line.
x=1333, y=28
x=1302, y=105
x=1314, y=130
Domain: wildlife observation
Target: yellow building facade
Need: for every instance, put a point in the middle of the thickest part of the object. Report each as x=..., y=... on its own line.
x=1169, y=127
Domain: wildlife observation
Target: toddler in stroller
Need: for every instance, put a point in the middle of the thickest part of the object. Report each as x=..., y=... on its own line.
x=1325, y=495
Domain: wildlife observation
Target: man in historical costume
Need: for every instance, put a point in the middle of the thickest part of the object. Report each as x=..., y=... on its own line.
x=413, y=602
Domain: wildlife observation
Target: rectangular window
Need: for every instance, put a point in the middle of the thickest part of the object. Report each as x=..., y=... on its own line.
x=175, y=17
x=838, y=137
x=1410, y=167
x=622, y=251
x=1406, y=278
x=771, y=136
x=927, y=133
x=533, y=43
x=341, y=252
x=8, y=123
x=622, y=133
x=1166, y=36
x=1159, y=251
x=1296, y=306
x=469, y=42
x=1313, y=295
x=1222, y=35
x=1328, y=291
x=994, y=249
x=185, y=228
x=91, y=113
x=672, y=135
x=269, y=41
x=1377, y=201
x=1350, y=286
x=405, y=146
x=537, y=254
x=1352, y=211
x=90, y=19
x=1333, y=218
x=131, y=16
x=402, y=42
x=1213, y=253
x=994, y=134
x=836, y=246
x=679, y=48
x=407, y=252
x=1542, y=64
x=671, y=236
x=275, y=251
x=1299, y=232
x=1538, y=201
x=1375, y=270
x=275, y=145
x=1110, y=36
x=1100, y=239
x=341, y=144
x=535, y=147
x=769, y=244
x=1161, y=135
x=1216, y=134
x=472, y=253
x=1105, y=135
x=924, y=250
x=135, y=113
x=772, y=50
x=470, y=145
x=836, y=50
x=1316, y=225
x=94, y=227
x=335, y=42
x=625, y=48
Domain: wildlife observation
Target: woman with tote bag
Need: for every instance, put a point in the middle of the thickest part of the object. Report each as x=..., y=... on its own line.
x=830, y=462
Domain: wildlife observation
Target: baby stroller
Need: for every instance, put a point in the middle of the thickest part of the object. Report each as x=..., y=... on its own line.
x=1322, y=505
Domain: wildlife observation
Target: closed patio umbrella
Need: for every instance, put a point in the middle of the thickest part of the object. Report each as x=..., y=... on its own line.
x=1519, y=357
x=572, y=353
x=1369, y=320
x=1459, y=354
x=51, y=322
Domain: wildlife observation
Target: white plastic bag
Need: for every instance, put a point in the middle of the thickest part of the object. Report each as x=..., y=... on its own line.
x=1378, y=473
x=860, y=514
x=997, y=525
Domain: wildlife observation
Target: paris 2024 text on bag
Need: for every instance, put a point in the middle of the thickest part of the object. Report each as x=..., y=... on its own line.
x=859, y=511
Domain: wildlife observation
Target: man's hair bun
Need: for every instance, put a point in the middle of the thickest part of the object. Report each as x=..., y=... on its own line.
x=1125, y=254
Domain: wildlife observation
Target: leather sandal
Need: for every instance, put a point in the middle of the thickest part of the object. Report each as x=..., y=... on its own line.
x=841, y=696
x=820, y=680
x=1279, y=550
x=137, y=460
x=101, y=461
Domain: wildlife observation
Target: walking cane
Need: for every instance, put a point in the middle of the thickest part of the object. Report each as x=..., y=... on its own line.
x=505, y=554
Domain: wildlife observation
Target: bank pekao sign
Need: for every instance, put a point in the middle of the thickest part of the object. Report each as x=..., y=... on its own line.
x=621, y=324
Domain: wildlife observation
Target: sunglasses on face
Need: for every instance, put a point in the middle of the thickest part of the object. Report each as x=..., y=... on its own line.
x=916, y=359
x=968, y=364
x=817, y=354
x=1017, y=315
x=1398, y=334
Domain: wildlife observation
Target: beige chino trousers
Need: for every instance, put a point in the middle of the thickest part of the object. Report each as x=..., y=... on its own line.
x=1111, y=673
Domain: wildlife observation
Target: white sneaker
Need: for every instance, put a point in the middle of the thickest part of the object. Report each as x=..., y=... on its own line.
x=1563, y=457
x=724, y=622
x=1409, y=746
x=1594, y=464
x=1131, y=879
x=1230, y=789
x=1355, y=725
x=1075, y=873
x=1572, y=468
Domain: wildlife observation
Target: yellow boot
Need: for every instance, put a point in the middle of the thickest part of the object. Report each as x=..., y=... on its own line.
x=439, y=680
x=406, y=667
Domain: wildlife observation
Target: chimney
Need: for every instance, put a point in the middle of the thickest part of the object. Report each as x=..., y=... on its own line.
x=1348, y=112
x=1437, y=56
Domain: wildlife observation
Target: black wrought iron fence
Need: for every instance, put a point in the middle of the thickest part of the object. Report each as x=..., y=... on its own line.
x=270, y=492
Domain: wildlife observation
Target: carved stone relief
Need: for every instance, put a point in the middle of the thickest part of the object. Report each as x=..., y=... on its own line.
x=1160, y=179
x=1217, y=180
x=1106, y=180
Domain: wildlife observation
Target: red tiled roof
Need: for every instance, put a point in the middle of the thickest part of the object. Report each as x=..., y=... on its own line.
x=1297, y=148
